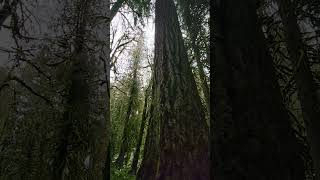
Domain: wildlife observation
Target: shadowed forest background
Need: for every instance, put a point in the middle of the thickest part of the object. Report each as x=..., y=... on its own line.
x=159, y=90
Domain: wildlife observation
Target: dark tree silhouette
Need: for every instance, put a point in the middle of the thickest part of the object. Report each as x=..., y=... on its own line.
x=251, y=131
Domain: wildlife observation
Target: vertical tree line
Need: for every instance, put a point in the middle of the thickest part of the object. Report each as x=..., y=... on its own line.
x=84, y=95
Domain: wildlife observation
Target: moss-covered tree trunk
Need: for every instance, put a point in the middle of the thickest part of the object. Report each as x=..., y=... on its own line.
x=252, y=135
x=129, y=113
x=306, y=86
x=183, y=145
x=150, y=160
x=125, y=133
x=136, y=156
x=82, y=146
x=69, y=155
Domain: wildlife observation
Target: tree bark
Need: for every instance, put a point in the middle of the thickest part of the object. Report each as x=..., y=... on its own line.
x=83, y=145
x=307, y=89
x=101, y=128
x=184, y=151
x=76, y=110
x=251, y=131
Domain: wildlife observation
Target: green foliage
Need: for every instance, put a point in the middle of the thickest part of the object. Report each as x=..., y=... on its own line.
x=121, y=174
x=194, y=20
x=119, y=104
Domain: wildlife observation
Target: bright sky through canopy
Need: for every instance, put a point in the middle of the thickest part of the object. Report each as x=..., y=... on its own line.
x=120, y=26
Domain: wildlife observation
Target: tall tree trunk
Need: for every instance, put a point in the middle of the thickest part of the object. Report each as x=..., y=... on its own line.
x=82, y=147
x=141, y=131
x=251, y=131
x=307, y=89
x=76, y=112
x=184, y=151
x=124, y=145
x=125, y=133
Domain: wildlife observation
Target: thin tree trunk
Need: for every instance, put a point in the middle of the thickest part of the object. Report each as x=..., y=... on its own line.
x=251, y=131
x=149, y=165
x=141, y=131
x=203, y=78
x=124, y=145
x=124, y=142
x=307, y=89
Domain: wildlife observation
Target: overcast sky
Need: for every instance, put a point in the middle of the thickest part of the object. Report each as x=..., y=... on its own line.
x=125, y=58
